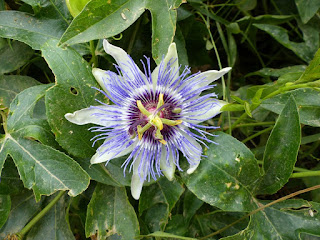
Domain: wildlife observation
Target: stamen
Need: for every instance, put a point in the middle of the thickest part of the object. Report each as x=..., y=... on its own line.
x=160, y=101
x=142, y=109
x=176, y=110
x=158, y=134
x=141, y=130
x=163, y=141
x=170, y=122
x=156, y=121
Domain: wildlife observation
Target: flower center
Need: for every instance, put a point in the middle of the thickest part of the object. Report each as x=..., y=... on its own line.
x=154, y=118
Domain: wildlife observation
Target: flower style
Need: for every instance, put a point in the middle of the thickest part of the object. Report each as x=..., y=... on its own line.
x=155, y=115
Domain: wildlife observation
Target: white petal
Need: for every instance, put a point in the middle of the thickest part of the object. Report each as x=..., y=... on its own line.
x=208, y=77
x=204, y=114
x=136, y=180
x=196, y=156
x=102, y=77
x=89, y=115
x=122, y=58
x=171, y=55
x=193, y=168
x=168, y=168
x=99, y=158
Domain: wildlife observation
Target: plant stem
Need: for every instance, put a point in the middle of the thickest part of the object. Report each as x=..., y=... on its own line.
x=250, y=125
x=286, y=88
x=261, y=208
x=257, y=134
x=243, y=116
x=297, y=169
x=94, y=58
x=39, y=215
x=4, y=121
x=305, y=174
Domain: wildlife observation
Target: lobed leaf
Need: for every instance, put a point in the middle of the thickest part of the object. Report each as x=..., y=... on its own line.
x=73, y=91
x=41, y=167
x=32, y=30
x=109, y=18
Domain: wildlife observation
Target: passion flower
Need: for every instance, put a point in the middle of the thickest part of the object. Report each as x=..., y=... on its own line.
x=155, y=115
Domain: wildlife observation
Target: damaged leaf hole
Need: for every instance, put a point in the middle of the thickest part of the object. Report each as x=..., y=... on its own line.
x=74, y=91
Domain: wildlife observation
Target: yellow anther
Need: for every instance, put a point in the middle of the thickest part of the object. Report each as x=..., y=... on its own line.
x=160, y=101
x=142, y=109
x=176, y=110
x=156, y=121
x=171, y=122
x=158, y=134
x=163, y=141
x=141, y=130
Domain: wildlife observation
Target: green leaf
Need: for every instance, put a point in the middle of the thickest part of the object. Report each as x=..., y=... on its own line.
x=110, y=213
x=164, y=18
x=10, y=179
x=111, y=174
x=14, y=56
x=247, y=109
x=24, y=207
x=177, y=225
x=54, y=225
x=281, y=150
x=305, y=50
x=190, y=205
x=157, y=201
x=227, y=177
x=109, y=18
x=32, y=30
x=274, y=72
x=53, y=9
x=167, y=235
x=11, y=85
x=285, y=220
x=232, y=107
x=181, y=47
x=73, y=91
x=205, y=224
x=265, y=19
x=307, y=100
x=76, y=6
x=313, y=70
x=41, y=168
x=5, y=206
x=307, y=9
x=246, y=5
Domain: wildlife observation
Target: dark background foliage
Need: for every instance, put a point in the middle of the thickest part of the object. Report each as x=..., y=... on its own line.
x=268, y=143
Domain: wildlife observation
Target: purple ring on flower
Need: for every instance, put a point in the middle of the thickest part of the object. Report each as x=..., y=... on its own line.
x=153, y=115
